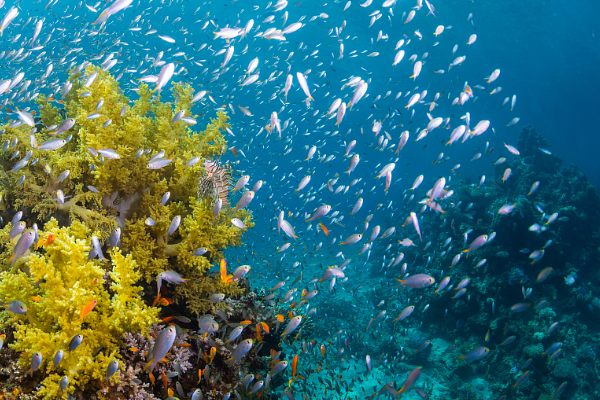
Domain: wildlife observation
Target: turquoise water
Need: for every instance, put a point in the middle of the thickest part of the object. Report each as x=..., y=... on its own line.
x=547, y=57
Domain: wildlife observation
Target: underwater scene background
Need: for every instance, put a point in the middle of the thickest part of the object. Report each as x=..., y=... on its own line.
x=299, y=200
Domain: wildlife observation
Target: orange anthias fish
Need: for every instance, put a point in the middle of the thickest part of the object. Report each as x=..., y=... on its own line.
x=245, y=323
x=294, y=369
x=280, y=318
x=86, y=310
x=234, y=151
x=324, y=228
x=264, y=327
x=48, y=241
x=224, y=277
x=165, y=302
x=258, y=335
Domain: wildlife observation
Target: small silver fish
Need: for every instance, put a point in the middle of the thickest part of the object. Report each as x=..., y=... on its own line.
x=165, y=198
x=200, y=251
x=111, y=369
x=62, y=384
x=24, y=243
x=238, y=223
x=169, y=276
x=115, y=237
x=16, y=307
x=36, y=361
x=57, y=358
x=174, y=225
x=162, y=345
x=16, y=230
x=75, y=342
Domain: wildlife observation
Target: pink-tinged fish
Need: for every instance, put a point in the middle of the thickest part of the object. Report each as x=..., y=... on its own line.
x=159, y=163
x=512, y=149
x=240, y=351
x=52, y=144
x=238, y=223
x=418, y=281
x=459, y=293
x=559, y=391
x=288, y=229
x=463, y=284
x=304, y=84
x=242, y=182
x=357, y=206
x=507, y=209
x=207, y=323
x=241, y=271
x=174, y=225
x=36, y=361
x=457, y=133
x=438, y=189
x=476, y=244
x=442, y=285
x=536, y=255
x=162, y=345
x=16, y=230
x=506, y=174
x=410, y=380
x=244, y=200
x=508, y=341
x=403, y=139
x=415, y=222
x=320, y=212
x=475, y=355
x=353, y=163
x=352, y=239
x=374, y=233
x=23, y=245
x=405, y=313
x=303, y=183
x=480, y=128
x=417, y=182
x=520, y=307
x=406, y=242
x=522, y=379
x=169, y=276
x=330, y=273
x=544, y=274
x=164, y=76
x=217, y=208
x=534, y=187
x=341, y=111
x=292, y=325
x=552, y=328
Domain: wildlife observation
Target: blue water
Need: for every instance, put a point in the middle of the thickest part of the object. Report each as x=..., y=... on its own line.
x=548, y=54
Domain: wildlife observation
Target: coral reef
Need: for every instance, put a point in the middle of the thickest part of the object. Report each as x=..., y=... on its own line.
x=113, y=186
x=555, y=226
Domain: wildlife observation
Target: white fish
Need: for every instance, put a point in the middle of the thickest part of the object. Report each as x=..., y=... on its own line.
x=303, y=84
x=164, y=76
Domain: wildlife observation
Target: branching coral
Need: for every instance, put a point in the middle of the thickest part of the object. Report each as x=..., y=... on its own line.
x=62, y=281
x=98, y=177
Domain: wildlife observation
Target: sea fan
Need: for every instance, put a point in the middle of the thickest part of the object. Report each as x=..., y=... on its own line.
x=216, y=183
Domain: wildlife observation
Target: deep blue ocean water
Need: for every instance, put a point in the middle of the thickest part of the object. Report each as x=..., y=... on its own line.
x=547, y=51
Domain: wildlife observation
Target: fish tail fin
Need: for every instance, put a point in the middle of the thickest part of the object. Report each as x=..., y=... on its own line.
x=11, y=258
x=150, y=365
x=461, y=358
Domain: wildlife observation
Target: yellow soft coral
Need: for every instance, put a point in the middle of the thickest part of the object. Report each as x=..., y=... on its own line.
x=101, y=193
x=64, y=282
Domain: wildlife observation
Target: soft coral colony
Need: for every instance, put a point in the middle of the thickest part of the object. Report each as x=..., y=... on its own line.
x=107, y=198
